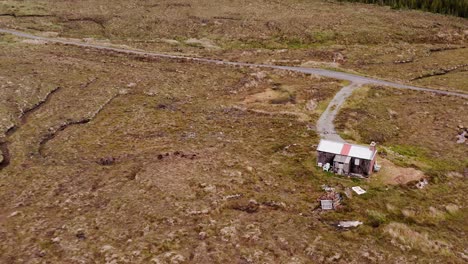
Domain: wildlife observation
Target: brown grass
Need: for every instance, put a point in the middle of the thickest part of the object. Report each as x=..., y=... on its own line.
x=368, y=39
x=180, y=168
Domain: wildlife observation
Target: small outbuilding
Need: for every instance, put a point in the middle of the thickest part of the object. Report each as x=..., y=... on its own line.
x=330, y=200
x=347, y=159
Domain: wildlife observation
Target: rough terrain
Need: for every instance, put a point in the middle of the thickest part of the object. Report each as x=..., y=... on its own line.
x=117, y=153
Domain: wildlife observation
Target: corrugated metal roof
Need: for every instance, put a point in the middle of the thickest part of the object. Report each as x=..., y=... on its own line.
x=340, y=148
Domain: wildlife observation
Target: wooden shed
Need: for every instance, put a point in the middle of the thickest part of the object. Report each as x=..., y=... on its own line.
x=347, y=159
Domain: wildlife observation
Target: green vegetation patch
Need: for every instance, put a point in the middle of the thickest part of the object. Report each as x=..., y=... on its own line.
x=450, y=7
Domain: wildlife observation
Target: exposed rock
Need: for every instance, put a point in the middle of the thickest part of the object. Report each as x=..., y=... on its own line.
x=228, y=233
x=202, y=235
x=80, y=234
x=15, y=213
x=251, y=207
x=176, y=259
x=259, y=75
x=454, y=174
x=275, y=205
x=335, y=257
x=106, y=248
x=198, y=212
x=253, y=233
x=452, y=208
x=169, y=257
x=338, y=57
x=311, y=105
x=392, y=113
x=233, y=196
x=170, y=41
x=106, y=161
x=205, y=43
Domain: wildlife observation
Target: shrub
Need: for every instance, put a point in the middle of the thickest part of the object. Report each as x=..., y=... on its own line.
x=376, y=218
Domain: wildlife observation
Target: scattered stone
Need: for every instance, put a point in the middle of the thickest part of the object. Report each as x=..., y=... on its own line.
x=392, y=113
x=452, y=208
x=338, y=57
x=434, y=212
x=131, y=85
x=80, y=234
x=275, y=205
x=202, y=235
x=56, y=239
x=259, y=75
x=311, y=105
x=327, y=188
x=15, y=213
x=209, y=188
x=251, y=207
x=198, y=212
x=106, y=248
x=233, y=196
x=335, y=257
x=106, y=161
x=190, y=135
x=170, y=41
x=176, y=259
x=228, y=233
x=252, y=233
x=205, y=43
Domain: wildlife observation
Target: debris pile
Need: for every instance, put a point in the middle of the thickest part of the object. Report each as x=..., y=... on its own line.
x=422, y=183
x=331, y=199
x=462, y=135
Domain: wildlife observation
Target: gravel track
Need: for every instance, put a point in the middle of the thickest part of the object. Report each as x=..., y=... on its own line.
x=325, y=124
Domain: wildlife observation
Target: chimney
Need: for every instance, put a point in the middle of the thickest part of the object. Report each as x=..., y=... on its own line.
x=372, y=146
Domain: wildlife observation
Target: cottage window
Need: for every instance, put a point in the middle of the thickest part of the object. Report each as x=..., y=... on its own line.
x=356, y=162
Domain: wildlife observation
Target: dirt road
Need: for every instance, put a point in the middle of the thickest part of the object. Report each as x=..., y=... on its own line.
x=325, y=126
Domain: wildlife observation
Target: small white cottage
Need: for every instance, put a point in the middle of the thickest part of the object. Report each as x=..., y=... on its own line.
x=347, y=159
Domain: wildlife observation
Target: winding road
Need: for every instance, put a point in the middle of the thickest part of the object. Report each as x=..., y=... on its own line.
x=325, y=125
